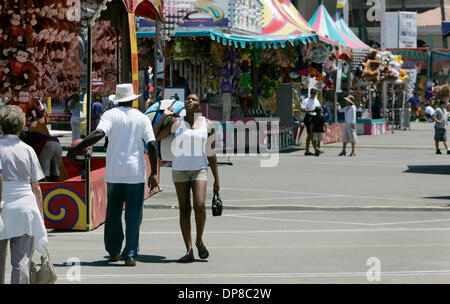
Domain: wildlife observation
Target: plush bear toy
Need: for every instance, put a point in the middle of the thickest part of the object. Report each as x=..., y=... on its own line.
x=443, y=92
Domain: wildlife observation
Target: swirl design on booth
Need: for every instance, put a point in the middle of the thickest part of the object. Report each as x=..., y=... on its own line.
x=64, y=208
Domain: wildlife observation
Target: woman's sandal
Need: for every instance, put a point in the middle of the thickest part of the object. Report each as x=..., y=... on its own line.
x=186, y=259
x=202, y=251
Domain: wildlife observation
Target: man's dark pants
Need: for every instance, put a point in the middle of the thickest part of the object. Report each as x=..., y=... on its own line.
x=133, y=196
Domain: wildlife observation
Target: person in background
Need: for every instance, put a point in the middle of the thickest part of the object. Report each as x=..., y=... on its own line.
x=193, y=149
x=22, y=212
x=128, y=130
x=309, y=106
x=49, y=152
x=318, y=127
x=97, y=110
x=349, y=135
x=73, y=107
x=440, y=117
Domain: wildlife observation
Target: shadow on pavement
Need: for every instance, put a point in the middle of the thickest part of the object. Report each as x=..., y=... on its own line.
x=439, y=169
x=438, y=197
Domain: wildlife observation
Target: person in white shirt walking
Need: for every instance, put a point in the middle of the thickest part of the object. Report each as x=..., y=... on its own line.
x=128, y=130
x=349, y=135
x=309, y=106
x=440, y=117
x=21, y=210
x=193, y=148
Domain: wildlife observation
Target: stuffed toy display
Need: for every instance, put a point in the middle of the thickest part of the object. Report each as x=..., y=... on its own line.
x=36, y=40
x=443, y=92
x=371, y=72
x=228, y=71
x=104, y=56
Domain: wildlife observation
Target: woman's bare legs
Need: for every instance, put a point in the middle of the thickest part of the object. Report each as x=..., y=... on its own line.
x=184, y=202
x=199, y=193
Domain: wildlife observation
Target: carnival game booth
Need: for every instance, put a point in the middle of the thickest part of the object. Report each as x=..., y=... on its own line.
x=243, y=71
x=40, y=59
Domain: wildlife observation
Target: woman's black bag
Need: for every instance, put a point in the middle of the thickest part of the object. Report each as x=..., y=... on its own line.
x=216, y=205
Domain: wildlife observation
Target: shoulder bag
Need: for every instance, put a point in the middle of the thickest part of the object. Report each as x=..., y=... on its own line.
x=46, y=274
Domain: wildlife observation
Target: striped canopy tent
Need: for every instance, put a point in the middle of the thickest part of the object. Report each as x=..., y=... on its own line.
x=284, y=10
x=324, y=25
x=150, y=9
x=344, y=28
x=282, y=24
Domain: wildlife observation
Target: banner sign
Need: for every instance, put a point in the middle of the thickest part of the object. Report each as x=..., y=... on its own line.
x=407, y=29
x=208, y=14
x=412, y=58
x=441, y=60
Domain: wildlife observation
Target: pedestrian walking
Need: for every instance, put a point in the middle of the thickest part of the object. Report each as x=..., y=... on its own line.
x=21, y=210
x=440, y=117
x=309, y=106
x=193, y=150
x=318, y=127
x=97, y=110
x=127, y=129
x=349, y=135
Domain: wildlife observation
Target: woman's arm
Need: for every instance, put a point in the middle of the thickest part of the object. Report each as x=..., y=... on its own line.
x=160, y=131
x=38, y=194
x=211, y=155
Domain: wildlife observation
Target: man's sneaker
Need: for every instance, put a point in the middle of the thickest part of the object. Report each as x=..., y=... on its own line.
x=130, y=262
x=438, y=152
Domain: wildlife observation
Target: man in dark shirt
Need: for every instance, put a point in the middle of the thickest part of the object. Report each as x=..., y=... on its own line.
x=48, y=150
x=318, y=127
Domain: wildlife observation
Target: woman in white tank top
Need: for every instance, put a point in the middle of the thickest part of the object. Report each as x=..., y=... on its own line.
x=192, y=149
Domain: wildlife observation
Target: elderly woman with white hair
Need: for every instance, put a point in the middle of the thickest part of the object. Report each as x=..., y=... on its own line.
x=22, y=211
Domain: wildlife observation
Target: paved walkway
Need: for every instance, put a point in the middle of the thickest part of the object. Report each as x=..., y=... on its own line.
x=281, y=224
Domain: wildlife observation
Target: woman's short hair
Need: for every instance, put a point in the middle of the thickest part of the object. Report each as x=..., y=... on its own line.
x=12, y=119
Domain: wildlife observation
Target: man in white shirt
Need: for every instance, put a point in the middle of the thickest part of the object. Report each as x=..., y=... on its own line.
x=309, y=106
x=440, y=117
x=127, y=130
x=349, y=135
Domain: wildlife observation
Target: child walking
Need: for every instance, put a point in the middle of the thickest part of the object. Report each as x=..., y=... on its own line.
x=318, y=127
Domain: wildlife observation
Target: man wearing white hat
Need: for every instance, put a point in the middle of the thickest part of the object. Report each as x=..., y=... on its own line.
x=127, y=130
x=349, y=135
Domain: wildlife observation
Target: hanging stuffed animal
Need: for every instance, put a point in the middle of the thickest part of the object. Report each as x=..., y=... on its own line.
x=245, y=83
x=14, y=33
x=372, y=64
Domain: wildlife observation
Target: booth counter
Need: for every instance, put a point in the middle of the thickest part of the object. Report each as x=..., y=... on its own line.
x=65, y=203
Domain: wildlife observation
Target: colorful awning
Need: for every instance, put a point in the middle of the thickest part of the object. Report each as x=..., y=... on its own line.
x=344, y=28
x=282, y=25
x=324, y=25
x=150, y=9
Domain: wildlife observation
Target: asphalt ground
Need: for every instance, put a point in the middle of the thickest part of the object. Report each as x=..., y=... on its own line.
x=379, y=217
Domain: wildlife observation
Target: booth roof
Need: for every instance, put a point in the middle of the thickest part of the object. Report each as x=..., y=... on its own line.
x=344, y=28
x=324, y=25
x=282, y=24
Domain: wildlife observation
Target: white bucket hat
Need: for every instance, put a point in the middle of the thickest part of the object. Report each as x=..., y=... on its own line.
x=124, y=93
